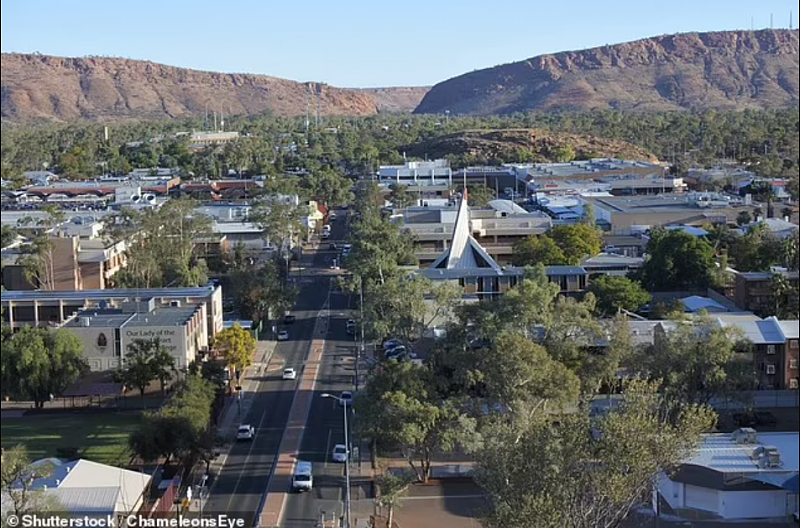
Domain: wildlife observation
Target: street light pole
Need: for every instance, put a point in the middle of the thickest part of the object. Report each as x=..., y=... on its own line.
x=343, y=403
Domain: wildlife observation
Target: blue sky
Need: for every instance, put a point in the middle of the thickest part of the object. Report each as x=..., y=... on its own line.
x=358, y=42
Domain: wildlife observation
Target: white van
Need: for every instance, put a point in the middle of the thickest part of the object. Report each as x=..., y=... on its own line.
x=303, y=479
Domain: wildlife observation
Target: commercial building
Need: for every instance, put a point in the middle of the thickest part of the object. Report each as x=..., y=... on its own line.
x=54, y=308
x=107, y=334
x=753, y=291
x=496, y=228
x=612, y=264
x=418, y=173
x=739, y=476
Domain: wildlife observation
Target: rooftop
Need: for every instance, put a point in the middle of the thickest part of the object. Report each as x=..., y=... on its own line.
x=719, y=452
x=125, y=293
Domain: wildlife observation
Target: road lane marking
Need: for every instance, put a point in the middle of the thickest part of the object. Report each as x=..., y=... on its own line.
x=327, y=449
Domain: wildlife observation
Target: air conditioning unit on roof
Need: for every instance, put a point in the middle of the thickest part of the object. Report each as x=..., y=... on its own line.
x=745, y=435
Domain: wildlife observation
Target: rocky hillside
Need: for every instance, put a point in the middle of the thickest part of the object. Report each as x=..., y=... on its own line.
x=508, y=145
x=397, y=99
x=732, y=69
x=45, y=87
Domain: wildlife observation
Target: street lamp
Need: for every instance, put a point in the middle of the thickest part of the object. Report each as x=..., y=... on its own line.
x=343, y=403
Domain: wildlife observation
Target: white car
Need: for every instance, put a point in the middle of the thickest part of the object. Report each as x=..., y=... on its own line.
x=283, y=335
x=326, y=235
x=303, y=479
x=339, y=453
x=289, y=374
x=246, y=432
x=346, y=398
x=326, y=228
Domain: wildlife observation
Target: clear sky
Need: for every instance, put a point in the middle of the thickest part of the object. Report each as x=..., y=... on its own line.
x=359, y=43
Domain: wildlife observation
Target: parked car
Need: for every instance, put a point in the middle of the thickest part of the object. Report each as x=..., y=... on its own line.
x=289, y=374
x=245, y=432
x=346, y=398
x=326, y=235
x=391, y=343
x=339, y=453
x=283, y=335
x=351, y=327
x=326, y=228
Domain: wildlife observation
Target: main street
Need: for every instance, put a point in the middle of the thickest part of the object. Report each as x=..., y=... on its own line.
x=239, y=487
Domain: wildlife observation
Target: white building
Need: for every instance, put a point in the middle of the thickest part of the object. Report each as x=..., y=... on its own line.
x=437, y=172
x=743, y=475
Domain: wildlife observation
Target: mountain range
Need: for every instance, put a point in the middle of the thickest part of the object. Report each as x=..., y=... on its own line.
x=720, y=70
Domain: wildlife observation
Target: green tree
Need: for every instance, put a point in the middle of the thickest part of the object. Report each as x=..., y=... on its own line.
x=577, y=241
x=586, y=472
x=9, y=235
x=618, y=293
x=677, y=261
x=38, y=364
x=697, y=361
x=401, y=197
x=392, y=487
x=237, y=346
x=535, y=250
x=140, y=365
x=163, y=364
x=564, y=153
x=38, y=257
x=743, y=218
x=18, y=485
x=479, y=195
x=330, y=186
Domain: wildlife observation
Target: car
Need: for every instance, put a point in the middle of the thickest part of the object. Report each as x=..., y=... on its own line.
x=391, y=343
x=351, y=327
x=289, y=319
x=339, y=453
x=326, y=228
x=303, y=478
x=326, y=235
x=289, y=374
x=245, y=432
x=346, y=398
x=399, y=350
x=283, y=335
x=332, y=216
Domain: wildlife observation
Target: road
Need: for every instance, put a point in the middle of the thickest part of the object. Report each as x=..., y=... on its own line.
x=324, y=429
x=239, y=488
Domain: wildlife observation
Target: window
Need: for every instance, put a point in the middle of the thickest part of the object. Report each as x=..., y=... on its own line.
x=793, y=364
x=793, y=384
x=770, y=349
x=793, y=344
x=770, y=370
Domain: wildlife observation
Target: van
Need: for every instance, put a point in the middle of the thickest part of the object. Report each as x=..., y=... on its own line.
x=303, y=479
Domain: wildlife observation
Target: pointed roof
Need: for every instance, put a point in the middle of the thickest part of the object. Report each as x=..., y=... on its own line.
x=465, y=252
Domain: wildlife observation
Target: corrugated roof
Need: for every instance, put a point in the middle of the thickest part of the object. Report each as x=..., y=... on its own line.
x=720, y=453
x=696, y=303
x=39, y=295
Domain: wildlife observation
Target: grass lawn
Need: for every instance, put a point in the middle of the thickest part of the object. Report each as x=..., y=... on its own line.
x=99, y=437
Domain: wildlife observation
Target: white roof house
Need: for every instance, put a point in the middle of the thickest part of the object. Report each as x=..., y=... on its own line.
x=737, y=476
x=86, y=487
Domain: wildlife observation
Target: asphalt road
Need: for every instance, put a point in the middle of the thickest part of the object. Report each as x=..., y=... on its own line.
x=325, y=429
x=239, y=487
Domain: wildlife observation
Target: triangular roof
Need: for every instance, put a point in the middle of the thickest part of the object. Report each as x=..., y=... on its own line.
x=464, y=252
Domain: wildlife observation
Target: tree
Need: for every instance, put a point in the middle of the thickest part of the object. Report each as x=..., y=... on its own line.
x=677, y=261
x=237, y=346
x=743, y=218
x=163, y=364
x=618, y=293
x=586, y=472
x=401, y=197
x=392, y=487
x=535, y=250
x=38, y=364
x=18, y=485
x=330, y=186
x=564, y=153
x=9, y=235
x=38, y=259
x=697, y=361
x=142, y=364
x=479, y=195
x=577, y=241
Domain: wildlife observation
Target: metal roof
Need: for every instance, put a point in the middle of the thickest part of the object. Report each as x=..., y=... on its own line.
x=696, y=303
x=39, y=295
x=720, y=453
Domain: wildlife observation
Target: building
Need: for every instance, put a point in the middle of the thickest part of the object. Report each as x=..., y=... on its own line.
x=418, y=173
x=107, y=333
x=199, y=140
x=753, y=290
x=54, y=308
x=627, y=215
x=612, y=264
x=738, y=476
x=495, y=228
x=78, y=263
x=777, y=226
x=87, y=489
x=466, y=263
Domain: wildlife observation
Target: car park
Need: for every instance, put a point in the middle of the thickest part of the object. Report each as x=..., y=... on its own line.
x=289, y=374
x=339, y=453
x=283, y=335
x=245, y=432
